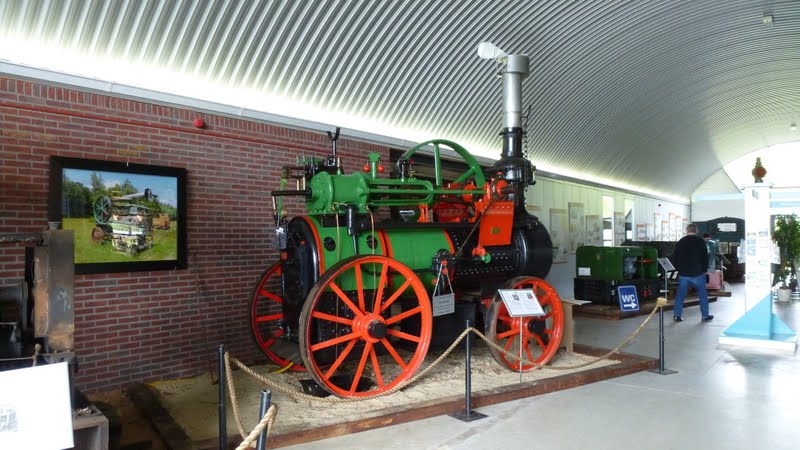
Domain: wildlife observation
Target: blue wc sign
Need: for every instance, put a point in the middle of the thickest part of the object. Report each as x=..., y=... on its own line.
x=628, y=300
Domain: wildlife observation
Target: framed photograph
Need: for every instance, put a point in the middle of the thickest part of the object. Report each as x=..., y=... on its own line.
x=126, y=217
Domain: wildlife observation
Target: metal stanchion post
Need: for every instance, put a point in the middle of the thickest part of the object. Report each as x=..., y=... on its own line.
x=266, y=398
x=661, y=339
x=468, y=415
x=223, y=426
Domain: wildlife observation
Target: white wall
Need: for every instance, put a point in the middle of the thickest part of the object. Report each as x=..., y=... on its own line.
x=718, y=196
x=556, y=194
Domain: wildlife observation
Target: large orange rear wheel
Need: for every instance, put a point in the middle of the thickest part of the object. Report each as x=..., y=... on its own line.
x=535, y=338
x=365, y=326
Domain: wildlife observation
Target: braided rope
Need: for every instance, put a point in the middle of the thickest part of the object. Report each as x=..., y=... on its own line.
x=614, y=351
x=293, y=393
x=266, y=422
x=232, y=389
x=269, y=418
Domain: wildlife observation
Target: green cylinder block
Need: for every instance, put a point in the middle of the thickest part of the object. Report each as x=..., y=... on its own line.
x=327, y=190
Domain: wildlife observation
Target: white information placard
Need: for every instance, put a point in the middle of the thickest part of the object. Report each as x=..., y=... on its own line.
x=35, y=408
x=521, y=302
x=443, y=304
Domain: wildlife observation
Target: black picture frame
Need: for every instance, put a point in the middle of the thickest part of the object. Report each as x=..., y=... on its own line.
x=136, y=214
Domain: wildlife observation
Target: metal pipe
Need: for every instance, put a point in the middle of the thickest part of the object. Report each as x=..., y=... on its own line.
x=515, y=71
x=661, y=339
x=266, y=398
x=468, y=377
x=223, y=426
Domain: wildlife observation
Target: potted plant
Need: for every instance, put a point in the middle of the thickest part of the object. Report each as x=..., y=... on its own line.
x=786, y=235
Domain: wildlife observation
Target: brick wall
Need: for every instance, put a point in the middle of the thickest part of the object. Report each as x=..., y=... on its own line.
x=145, y=326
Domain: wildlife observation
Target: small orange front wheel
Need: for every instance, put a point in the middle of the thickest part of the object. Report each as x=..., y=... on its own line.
x=534, y=338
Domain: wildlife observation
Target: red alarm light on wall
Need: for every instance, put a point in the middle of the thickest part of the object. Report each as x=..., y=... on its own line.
x=199, y=123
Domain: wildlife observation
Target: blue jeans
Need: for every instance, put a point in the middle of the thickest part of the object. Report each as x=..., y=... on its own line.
x=699, y=283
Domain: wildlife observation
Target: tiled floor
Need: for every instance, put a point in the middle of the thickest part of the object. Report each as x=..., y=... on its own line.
x=722, y=397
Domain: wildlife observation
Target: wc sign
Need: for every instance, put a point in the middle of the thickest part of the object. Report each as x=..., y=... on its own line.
x=628, y=301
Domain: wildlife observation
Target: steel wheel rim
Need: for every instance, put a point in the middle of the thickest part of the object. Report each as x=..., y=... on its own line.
x=260, y=299
x=504, y=330
x=356, y=345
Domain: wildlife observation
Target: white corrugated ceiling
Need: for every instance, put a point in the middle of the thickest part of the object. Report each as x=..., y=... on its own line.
x=656, y=95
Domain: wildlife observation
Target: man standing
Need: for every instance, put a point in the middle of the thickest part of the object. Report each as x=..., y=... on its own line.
x=691, y=260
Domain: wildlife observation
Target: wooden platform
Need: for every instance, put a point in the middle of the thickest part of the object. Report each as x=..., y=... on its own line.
x=148, y=401
x=612, y=312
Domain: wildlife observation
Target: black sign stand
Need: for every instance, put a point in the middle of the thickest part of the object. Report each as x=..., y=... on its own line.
x=468, y=415
x=668, y=267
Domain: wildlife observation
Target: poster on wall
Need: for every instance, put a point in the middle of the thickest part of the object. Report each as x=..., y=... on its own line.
x=126, y=217
x=684, y=224
x=641, y=232
x=665, y=230
x=619, y=227
x=577, y=226
x=673, y=227
x=657, y=232
x=651, y=230
x=594, y=230
x=558, y=234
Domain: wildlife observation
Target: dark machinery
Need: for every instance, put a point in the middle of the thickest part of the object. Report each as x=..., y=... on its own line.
x=353, y=298
x=39, y=309
x=602, y=270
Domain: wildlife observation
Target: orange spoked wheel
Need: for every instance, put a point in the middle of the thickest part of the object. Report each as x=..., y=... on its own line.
x=365, y=326
x=537, y=338
x=266, y=315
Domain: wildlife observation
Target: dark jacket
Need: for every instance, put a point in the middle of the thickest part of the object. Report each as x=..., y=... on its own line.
x=691, y=256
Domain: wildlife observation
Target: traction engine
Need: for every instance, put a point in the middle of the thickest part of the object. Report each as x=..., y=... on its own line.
x=354, y=294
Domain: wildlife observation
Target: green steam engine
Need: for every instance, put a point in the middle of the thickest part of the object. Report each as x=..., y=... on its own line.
x=365, y=277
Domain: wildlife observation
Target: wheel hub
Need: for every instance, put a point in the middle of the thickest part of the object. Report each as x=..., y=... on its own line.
x=371, y=327
x=376, y=329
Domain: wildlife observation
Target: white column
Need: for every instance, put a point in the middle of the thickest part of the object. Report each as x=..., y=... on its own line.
x=758, y=243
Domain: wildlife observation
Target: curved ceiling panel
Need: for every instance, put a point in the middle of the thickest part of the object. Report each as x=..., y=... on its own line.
x=656, y=95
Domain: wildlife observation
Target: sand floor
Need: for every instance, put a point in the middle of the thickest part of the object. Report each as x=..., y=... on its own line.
x=193, y=402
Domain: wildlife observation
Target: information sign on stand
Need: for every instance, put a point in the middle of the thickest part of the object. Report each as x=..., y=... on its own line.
x=521, y=302
x=666, y=264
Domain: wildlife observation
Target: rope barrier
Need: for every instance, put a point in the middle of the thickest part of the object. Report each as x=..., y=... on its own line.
x=269, y=417
x=266, y=422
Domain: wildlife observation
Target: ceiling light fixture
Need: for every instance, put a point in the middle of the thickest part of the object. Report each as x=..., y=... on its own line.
x=767, y=20
x=793, y=126
x=487, y=50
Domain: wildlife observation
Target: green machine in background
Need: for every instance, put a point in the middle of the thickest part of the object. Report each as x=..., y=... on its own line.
x=601, y=270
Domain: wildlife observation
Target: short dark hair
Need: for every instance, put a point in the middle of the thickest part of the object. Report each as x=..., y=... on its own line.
x=691, y=228
x=706, y=235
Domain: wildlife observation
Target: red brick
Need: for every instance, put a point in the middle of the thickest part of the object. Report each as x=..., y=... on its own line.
x=144, y=326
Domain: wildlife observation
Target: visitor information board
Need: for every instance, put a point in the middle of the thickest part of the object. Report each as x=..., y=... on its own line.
x=521, y=302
